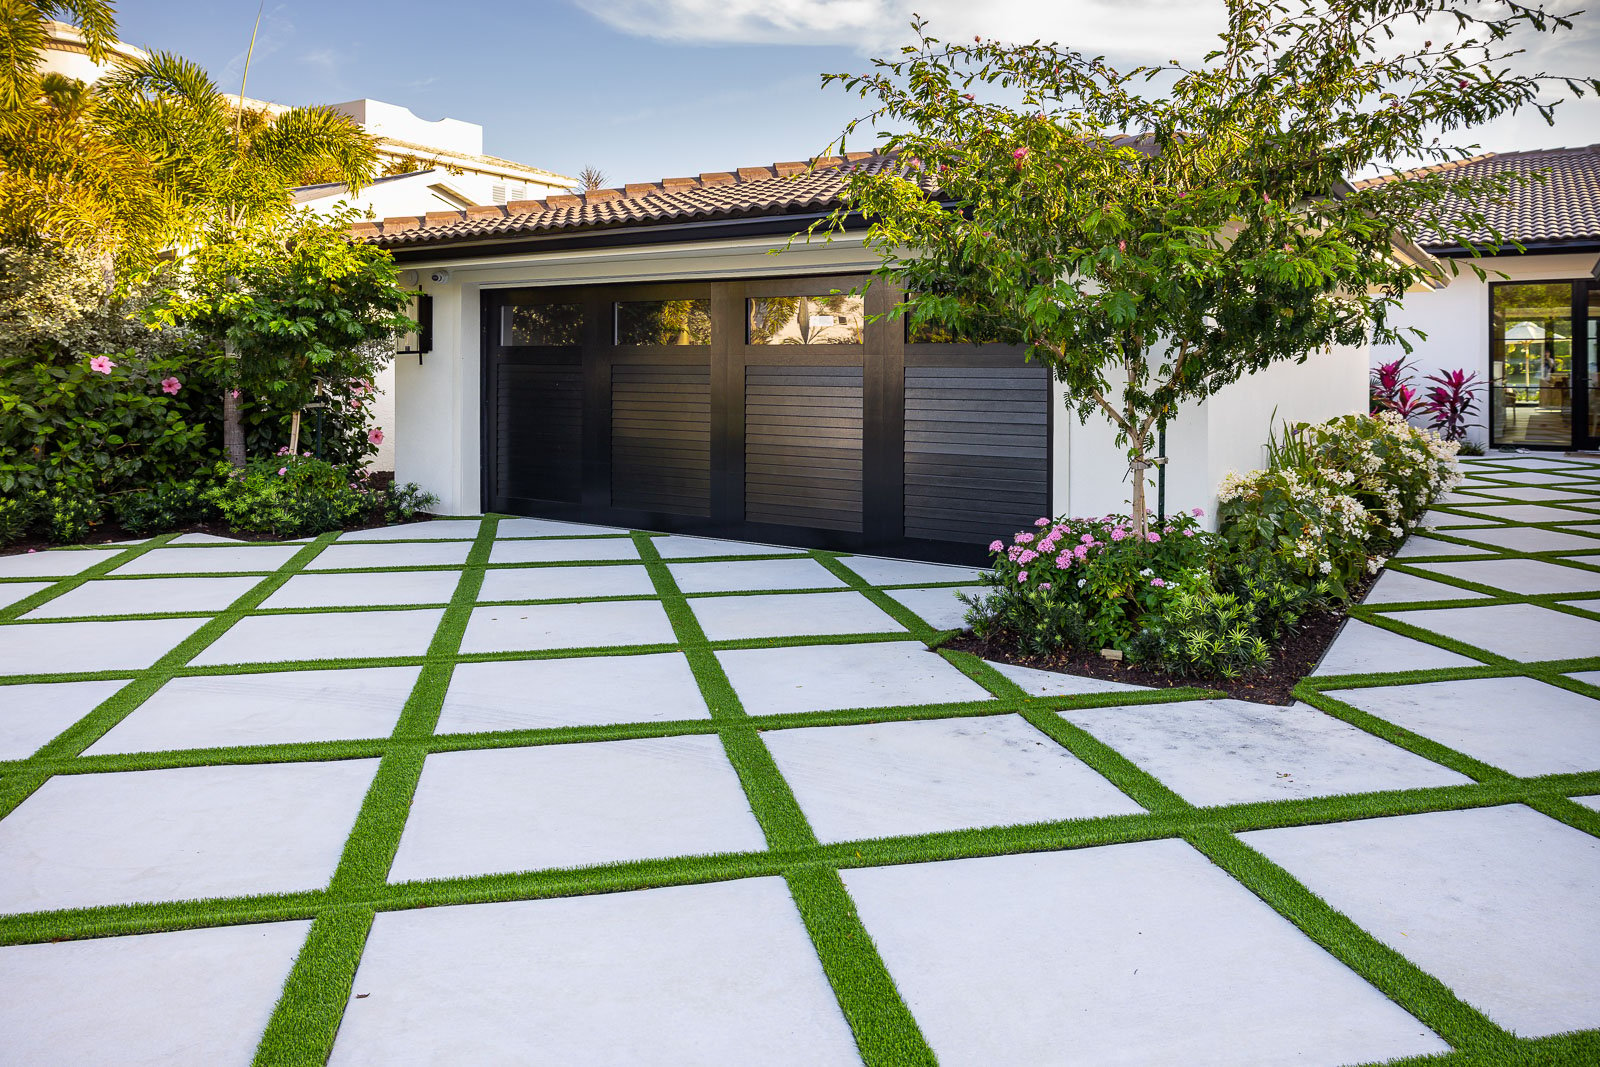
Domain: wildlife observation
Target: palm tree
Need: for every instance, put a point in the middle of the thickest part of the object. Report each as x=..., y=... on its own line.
x=230, y=163
x=23, y=36
x=66, y=181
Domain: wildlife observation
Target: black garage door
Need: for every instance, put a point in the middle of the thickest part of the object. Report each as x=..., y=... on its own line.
x=766, y=410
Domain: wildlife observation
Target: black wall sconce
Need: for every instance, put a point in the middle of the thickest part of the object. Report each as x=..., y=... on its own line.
x=419, y=342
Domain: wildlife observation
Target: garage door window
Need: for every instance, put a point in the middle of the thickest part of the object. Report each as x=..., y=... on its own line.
x=835, y=319
x=663, y=322
x=543, y=325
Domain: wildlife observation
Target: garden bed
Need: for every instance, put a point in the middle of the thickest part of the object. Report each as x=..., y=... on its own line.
x=1292, y=660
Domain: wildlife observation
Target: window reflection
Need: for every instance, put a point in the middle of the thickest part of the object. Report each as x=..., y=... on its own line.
x=1530, y=364
x=555, y=325
x=835, y=319
x=663, y=322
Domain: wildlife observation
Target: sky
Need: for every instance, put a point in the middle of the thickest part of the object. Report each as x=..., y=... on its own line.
x=646, y=89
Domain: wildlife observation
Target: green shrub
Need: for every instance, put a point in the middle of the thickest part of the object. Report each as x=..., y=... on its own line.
x=1202, y=631
x=402, y=503
x=1277, y=596
x=1313, y=530
x=167, y=506
x=16, y=517
x=1036, y=622
x=67, y=511
x=288, y=496
x=106, y=423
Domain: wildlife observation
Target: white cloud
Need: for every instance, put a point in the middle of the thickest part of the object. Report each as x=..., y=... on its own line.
x=1128, y=31
x=1160, y=28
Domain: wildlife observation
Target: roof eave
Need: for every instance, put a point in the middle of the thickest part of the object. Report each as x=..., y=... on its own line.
x=611, y=235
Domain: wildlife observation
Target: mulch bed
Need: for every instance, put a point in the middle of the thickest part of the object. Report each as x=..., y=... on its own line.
x=1291, y=661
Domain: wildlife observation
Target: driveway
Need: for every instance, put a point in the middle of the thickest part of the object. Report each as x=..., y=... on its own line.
x=507, y=790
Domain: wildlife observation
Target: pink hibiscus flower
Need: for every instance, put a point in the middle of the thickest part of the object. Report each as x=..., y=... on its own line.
x=170, y=386
x=101, y=364
x=375, y=435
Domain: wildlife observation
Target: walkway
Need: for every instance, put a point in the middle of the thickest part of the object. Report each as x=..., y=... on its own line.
x=506, y=790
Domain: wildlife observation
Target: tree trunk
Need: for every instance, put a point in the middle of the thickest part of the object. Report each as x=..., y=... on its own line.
x=232, y=423
x=294, y=434
x=1139, y=465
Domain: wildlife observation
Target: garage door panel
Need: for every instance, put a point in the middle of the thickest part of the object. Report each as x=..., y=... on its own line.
x=661, y=438
x=818, y=413
x=540, y=419
x=970, y=470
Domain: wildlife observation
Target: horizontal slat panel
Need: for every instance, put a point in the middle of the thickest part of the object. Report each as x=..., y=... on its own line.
x=976, y=451
x=540, y=427
x=661, y=438
x=802, y=440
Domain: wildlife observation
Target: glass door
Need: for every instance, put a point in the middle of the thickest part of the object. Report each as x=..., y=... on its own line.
x=1590, y=413
x=1531, y=364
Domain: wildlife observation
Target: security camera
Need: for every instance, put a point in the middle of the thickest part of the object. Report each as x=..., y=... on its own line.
x=439, y=277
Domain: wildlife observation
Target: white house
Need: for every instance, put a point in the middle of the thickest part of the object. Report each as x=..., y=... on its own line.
x=1529, y=329
x=641, y=357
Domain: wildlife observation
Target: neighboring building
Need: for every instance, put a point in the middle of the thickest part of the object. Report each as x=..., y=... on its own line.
x=65, y=53
x=1528, y=330
x=639, y=357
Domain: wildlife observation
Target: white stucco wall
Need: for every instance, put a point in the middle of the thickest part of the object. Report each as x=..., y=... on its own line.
x=436, y=419
x=1206, y=440
x=1456, y=318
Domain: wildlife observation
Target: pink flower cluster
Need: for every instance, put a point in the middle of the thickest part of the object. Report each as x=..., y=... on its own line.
x=1058, y=545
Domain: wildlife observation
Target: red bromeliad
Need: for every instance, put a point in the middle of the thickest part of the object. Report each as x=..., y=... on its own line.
x=1389, y=381
x=1451, y=402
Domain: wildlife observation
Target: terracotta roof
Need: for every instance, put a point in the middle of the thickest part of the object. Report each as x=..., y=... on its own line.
x=746, y=192
x=1565, y=207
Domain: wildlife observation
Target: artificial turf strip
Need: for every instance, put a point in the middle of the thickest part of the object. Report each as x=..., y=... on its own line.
x=306, y=1019
x=1462, y=1026
x=858, y=976
x=884, y=1029
x=14, y=789
x=61, y=586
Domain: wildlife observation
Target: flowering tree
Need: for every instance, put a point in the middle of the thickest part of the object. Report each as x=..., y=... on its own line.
x=303, y=306
x=1156, y=233
x=230, y=165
